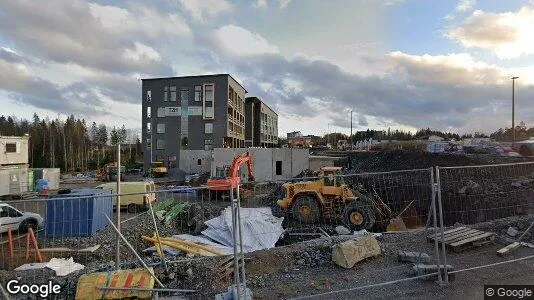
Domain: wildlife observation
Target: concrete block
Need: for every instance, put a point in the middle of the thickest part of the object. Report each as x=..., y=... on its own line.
x=413, y=257
x=232, y=294
x=512, y=231
x=348, y=253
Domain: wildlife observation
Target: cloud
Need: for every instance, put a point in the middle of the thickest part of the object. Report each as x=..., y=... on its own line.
x=466, y=5
x=238, y=41
x=25, y=88
x=260, y=4
x=440, y=91
x=282, y=4
x=89, y=34
x=200, y=11
x=508, y=35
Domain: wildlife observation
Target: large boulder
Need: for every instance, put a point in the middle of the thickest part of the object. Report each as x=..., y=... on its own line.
x=348, y=253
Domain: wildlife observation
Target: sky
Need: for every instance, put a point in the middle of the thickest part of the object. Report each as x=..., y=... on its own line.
x=399, y=64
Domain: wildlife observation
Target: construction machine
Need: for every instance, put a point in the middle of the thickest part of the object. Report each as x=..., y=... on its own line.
x=158, y=169
x=109, y=172
x=328, y=197
x=227, y=177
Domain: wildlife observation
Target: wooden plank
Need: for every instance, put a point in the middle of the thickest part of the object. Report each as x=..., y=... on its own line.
x=508, y=249
x=456, y=238
x=458, y=232
x=448, y=231
x=472, y=239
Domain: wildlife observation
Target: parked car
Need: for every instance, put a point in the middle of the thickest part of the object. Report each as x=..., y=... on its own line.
x=14, y=219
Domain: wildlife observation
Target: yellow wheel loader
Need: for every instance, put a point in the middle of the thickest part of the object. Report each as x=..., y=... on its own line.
x=328, y=197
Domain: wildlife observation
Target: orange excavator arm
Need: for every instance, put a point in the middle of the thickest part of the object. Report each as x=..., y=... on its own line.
x=234, y=168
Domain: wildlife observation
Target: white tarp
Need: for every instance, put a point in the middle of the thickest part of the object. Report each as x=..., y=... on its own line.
x=61, y=266
x=261, y=230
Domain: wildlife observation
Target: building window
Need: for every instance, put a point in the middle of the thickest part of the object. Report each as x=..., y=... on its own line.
x=199, y=162
x=208, y=144
x=208, y=128
x=148, y=112
x=148, y=96
x=160, y=144
x=11, y=148
x=161, y=112
x=184, y=94
x=173, y=93
x=166, y=93
x=198, y=93
x=161, y=128
x=148, y=128
x=209, y=90
x=148, y=143
x=278, y=167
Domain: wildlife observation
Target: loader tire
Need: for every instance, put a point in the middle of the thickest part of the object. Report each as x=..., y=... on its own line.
x=306, y=210
x=358, y=215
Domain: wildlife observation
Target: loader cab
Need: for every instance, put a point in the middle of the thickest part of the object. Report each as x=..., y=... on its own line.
x=332, y=181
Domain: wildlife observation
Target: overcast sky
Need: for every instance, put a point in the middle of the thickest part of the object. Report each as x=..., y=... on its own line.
x=396, y=63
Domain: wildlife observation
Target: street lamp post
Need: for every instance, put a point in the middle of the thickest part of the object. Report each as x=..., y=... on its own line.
x=513, y=108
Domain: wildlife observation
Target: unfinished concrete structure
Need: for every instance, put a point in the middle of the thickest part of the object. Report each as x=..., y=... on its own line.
x=261, y=124
x=269, y=164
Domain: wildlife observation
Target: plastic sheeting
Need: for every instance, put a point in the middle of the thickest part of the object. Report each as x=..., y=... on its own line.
x=260, y=229
x=61, y=266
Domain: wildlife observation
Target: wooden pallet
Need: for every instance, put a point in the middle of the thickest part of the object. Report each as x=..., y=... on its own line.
x=463, y=238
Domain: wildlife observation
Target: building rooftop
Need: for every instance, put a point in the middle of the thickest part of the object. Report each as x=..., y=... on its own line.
x=195, y=76
x=254, y=98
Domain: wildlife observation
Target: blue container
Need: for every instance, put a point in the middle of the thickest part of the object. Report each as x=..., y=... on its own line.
x=81, y=216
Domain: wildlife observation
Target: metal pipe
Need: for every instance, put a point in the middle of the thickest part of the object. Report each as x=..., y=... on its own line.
x=351, y=139
x=145, y=289
x=157, y=235
x=135, y=253
x=118, y=254
x=243, y=277
x=441, y=227
x=433, y=203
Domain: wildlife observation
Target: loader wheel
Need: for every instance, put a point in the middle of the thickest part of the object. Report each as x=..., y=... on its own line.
x=306, y=210
x=358, y=215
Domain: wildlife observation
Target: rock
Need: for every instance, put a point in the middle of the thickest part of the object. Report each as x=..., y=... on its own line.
x=431, y=271
x=300, y=262
x=342, y=230
x=172, y=275
x=516, y=184
x=160, y=214
x=512, y=231
x=190, y=273
x=348, y=253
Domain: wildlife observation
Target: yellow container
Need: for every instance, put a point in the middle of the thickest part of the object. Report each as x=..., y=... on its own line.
x=90, y=285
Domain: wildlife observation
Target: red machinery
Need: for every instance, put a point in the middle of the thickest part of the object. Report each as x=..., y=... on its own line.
x=219, y=185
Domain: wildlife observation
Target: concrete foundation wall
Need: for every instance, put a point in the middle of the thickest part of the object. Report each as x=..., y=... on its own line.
x=264, y=160
x=189, y=160
x=317, y=162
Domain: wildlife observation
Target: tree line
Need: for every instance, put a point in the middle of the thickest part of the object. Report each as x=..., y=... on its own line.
x=71, y=144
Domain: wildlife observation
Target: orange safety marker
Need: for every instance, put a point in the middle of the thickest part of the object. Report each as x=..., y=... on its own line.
x=31, y=236
x=10, y=243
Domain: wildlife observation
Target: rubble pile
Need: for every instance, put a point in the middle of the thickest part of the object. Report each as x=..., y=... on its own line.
x=314, y=257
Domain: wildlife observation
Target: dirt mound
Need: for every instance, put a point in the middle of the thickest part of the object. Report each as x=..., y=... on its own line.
x=407, y=160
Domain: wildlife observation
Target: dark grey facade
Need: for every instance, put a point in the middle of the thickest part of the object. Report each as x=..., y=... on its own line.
x=261, y=126
x=191, y=112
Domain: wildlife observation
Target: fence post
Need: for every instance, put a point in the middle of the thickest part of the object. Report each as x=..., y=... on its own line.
x=234, y=234
x=443, y=250
x=435, y=219
x=118, y=254
x=243, y=278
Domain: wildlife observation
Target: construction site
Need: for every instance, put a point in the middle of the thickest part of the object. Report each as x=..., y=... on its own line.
x=366, y=223
x=266, y=149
